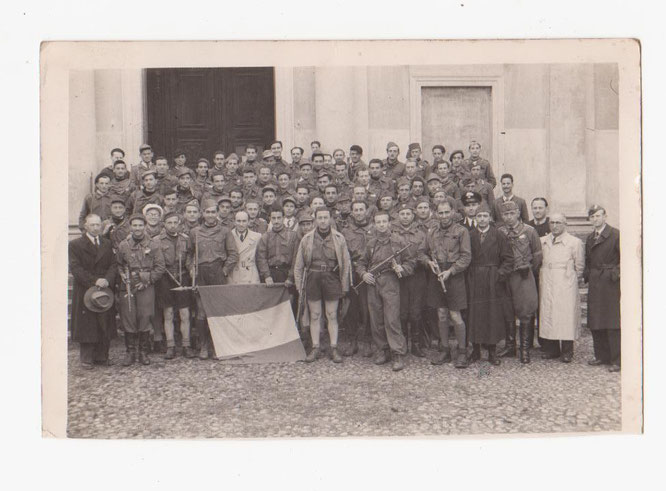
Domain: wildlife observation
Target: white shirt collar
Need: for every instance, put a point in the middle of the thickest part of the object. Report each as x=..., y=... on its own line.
x=509, y=198
x=601, y=229
x=92, y=239
x=540, y=222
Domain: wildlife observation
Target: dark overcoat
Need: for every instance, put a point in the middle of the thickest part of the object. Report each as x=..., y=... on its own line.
x=492, y=263
x=87, y=264
x=602, y=273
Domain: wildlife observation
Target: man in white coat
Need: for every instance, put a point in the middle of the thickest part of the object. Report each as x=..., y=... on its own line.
x=245, y=272
x=559, y=303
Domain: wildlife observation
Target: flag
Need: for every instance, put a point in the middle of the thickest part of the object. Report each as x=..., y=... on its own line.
x=251, y=323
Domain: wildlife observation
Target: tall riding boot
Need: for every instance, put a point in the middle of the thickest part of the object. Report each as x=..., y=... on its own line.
x=530, y=340
x=509, y=350
x=492, y=355
x=524, y=340
x=130, y=354
x=144, y=342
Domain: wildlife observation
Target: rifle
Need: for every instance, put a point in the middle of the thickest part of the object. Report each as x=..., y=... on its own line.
x=390, y=259
x=301, y=299
x=438, y=272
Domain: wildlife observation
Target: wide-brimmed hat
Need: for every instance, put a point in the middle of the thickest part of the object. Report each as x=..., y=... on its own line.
x=98, y=299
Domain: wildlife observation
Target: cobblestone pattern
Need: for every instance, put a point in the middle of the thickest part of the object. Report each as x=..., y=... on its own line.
x=185, y=398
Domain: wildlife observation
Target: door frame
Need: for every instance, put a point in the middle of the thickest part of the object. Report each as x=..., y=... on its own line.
x=443, y=76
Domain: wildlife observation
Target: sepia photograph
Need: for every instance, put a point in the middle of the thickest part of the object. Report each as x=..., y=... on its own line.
x=341, y=239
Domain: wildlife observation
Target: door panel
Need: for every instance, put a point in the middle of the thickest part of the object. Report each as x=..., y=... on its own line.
x=205, y=109
x=453, y=116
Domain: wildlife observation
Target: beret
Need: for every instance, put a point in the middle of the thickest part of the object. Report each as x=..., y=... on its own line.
x=266, y=154
x=117, y=199
x=467, y=180
x=386, y=194
x=193, y=203
x=208, y=203
x=595, y=208
x=183, y=171
x=509, y=206
x=148, y=172
x=433, y=177
x=233, y=156
x=268, y=187
x=413, y=146
x=391, y=144
x=152, y=206
x=202, y=159
x=403, y=181
x=305, y=215
x=405, y=206
x=138, y=216
x=288, y=198
x=143, y=147
x=472, y=197
x=483, y=208
x=170, y=214
x=169, y=191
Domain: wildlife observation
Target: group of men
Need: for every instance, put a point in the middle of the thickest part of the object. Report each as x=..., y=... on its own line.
x=401, y=255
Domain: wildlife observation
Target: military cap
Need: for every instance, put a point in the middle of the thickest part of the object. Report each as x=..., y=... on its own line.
x=405, y=206
x=467, y=180
x=184, y=170
x=456, y=152
x=290, y=199
x=304, y=161
x=208, y=203
x=391, y=144
x=413, y=146
x=483, y=208
x=170, y=214
x=403, y=181
x=179, y=152
x=417, y=178
x=433, y=177
x=323, y=173
x=117, y=199
x=266, y=154
x=305, y=215
x=471, y=197
x=202, y=159
x=138, y=216
x=509, y=206
x=194, y=203
x=233, y=156
x=595, y=208
x=152, y=206
x=224, y=198
x=148, y=172
x=268, y=187
x=145, y=146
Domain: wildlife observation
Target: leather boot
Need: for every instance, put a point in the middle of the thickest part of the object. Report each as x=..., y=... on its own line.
x=202, y=329
x=530, y=340
x=398, y=362
x=442, y=357
x=130, y=354
x=335, y=355
x=381, y=358
x=461, y=358
x=475, y=355
x=417, y=349
x=509, y=350
x=492, y=355
x=524, y=346
x=312, y=355
x=170, y=353
x=351, y=349
x=144, y=341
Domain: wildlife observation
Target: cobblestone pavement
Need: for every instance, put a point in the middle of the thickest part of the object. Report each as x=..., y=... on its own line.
x=184, y=398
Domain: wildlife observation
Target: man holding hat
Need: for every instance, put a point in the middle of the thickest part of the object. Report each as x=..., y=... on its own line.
x=602, y=273
x=93, y=266
x=392, y=167
x=140, y=264
x=217, y=256
x=527, y=257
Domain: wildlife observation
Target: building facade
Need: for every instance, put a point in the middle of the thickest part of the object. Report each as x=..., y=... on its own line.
x=553, y=126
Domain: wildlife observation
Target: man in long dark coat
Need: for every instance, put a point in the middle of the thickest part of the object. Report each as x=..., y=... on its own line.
x=492, y=263
x=602, y=272
x=92, y=263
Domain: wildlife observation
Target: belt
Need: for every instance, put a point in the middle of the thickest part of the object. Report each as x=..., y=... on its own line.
x=384, y=271
x=554, y=266
x=280, y=266
x=322, y=267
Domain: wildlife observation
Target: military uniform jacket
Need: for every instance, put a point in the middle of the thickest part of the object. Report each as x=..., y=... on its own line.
x=123, y=188
x=486, y=169
x=139, y=199
x=357, y=237
x=176, y=251
x=417, y=240
x=97, y=203
x=215, y=243
x=166, y=183
x=144, y=255
x=525, y=244
x=393, y=170
x=257, y=225
x=450, y=247
x=496, y=209
x=277, y=249
x=118, y=232
x=450, y=187
x=374, y=254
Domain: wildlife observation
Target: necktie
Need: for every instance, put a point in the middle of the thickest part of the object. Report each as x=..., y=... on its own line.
x=96, y=241
x=242, y=237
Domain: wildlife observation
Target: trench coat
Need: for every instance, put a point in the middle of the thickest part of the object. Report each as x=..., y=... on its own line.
x=87, y=264
x=488, y=308
x=245, y=271
x=602, y=272
x=559, y=301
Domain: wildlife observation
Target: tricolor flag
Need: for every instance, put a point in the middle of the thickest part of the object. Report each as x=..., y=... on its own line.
x=251, y=323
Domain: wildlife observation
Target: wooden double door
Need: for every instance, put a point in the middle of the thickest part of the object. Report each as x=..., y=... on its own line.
x=201, y=110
